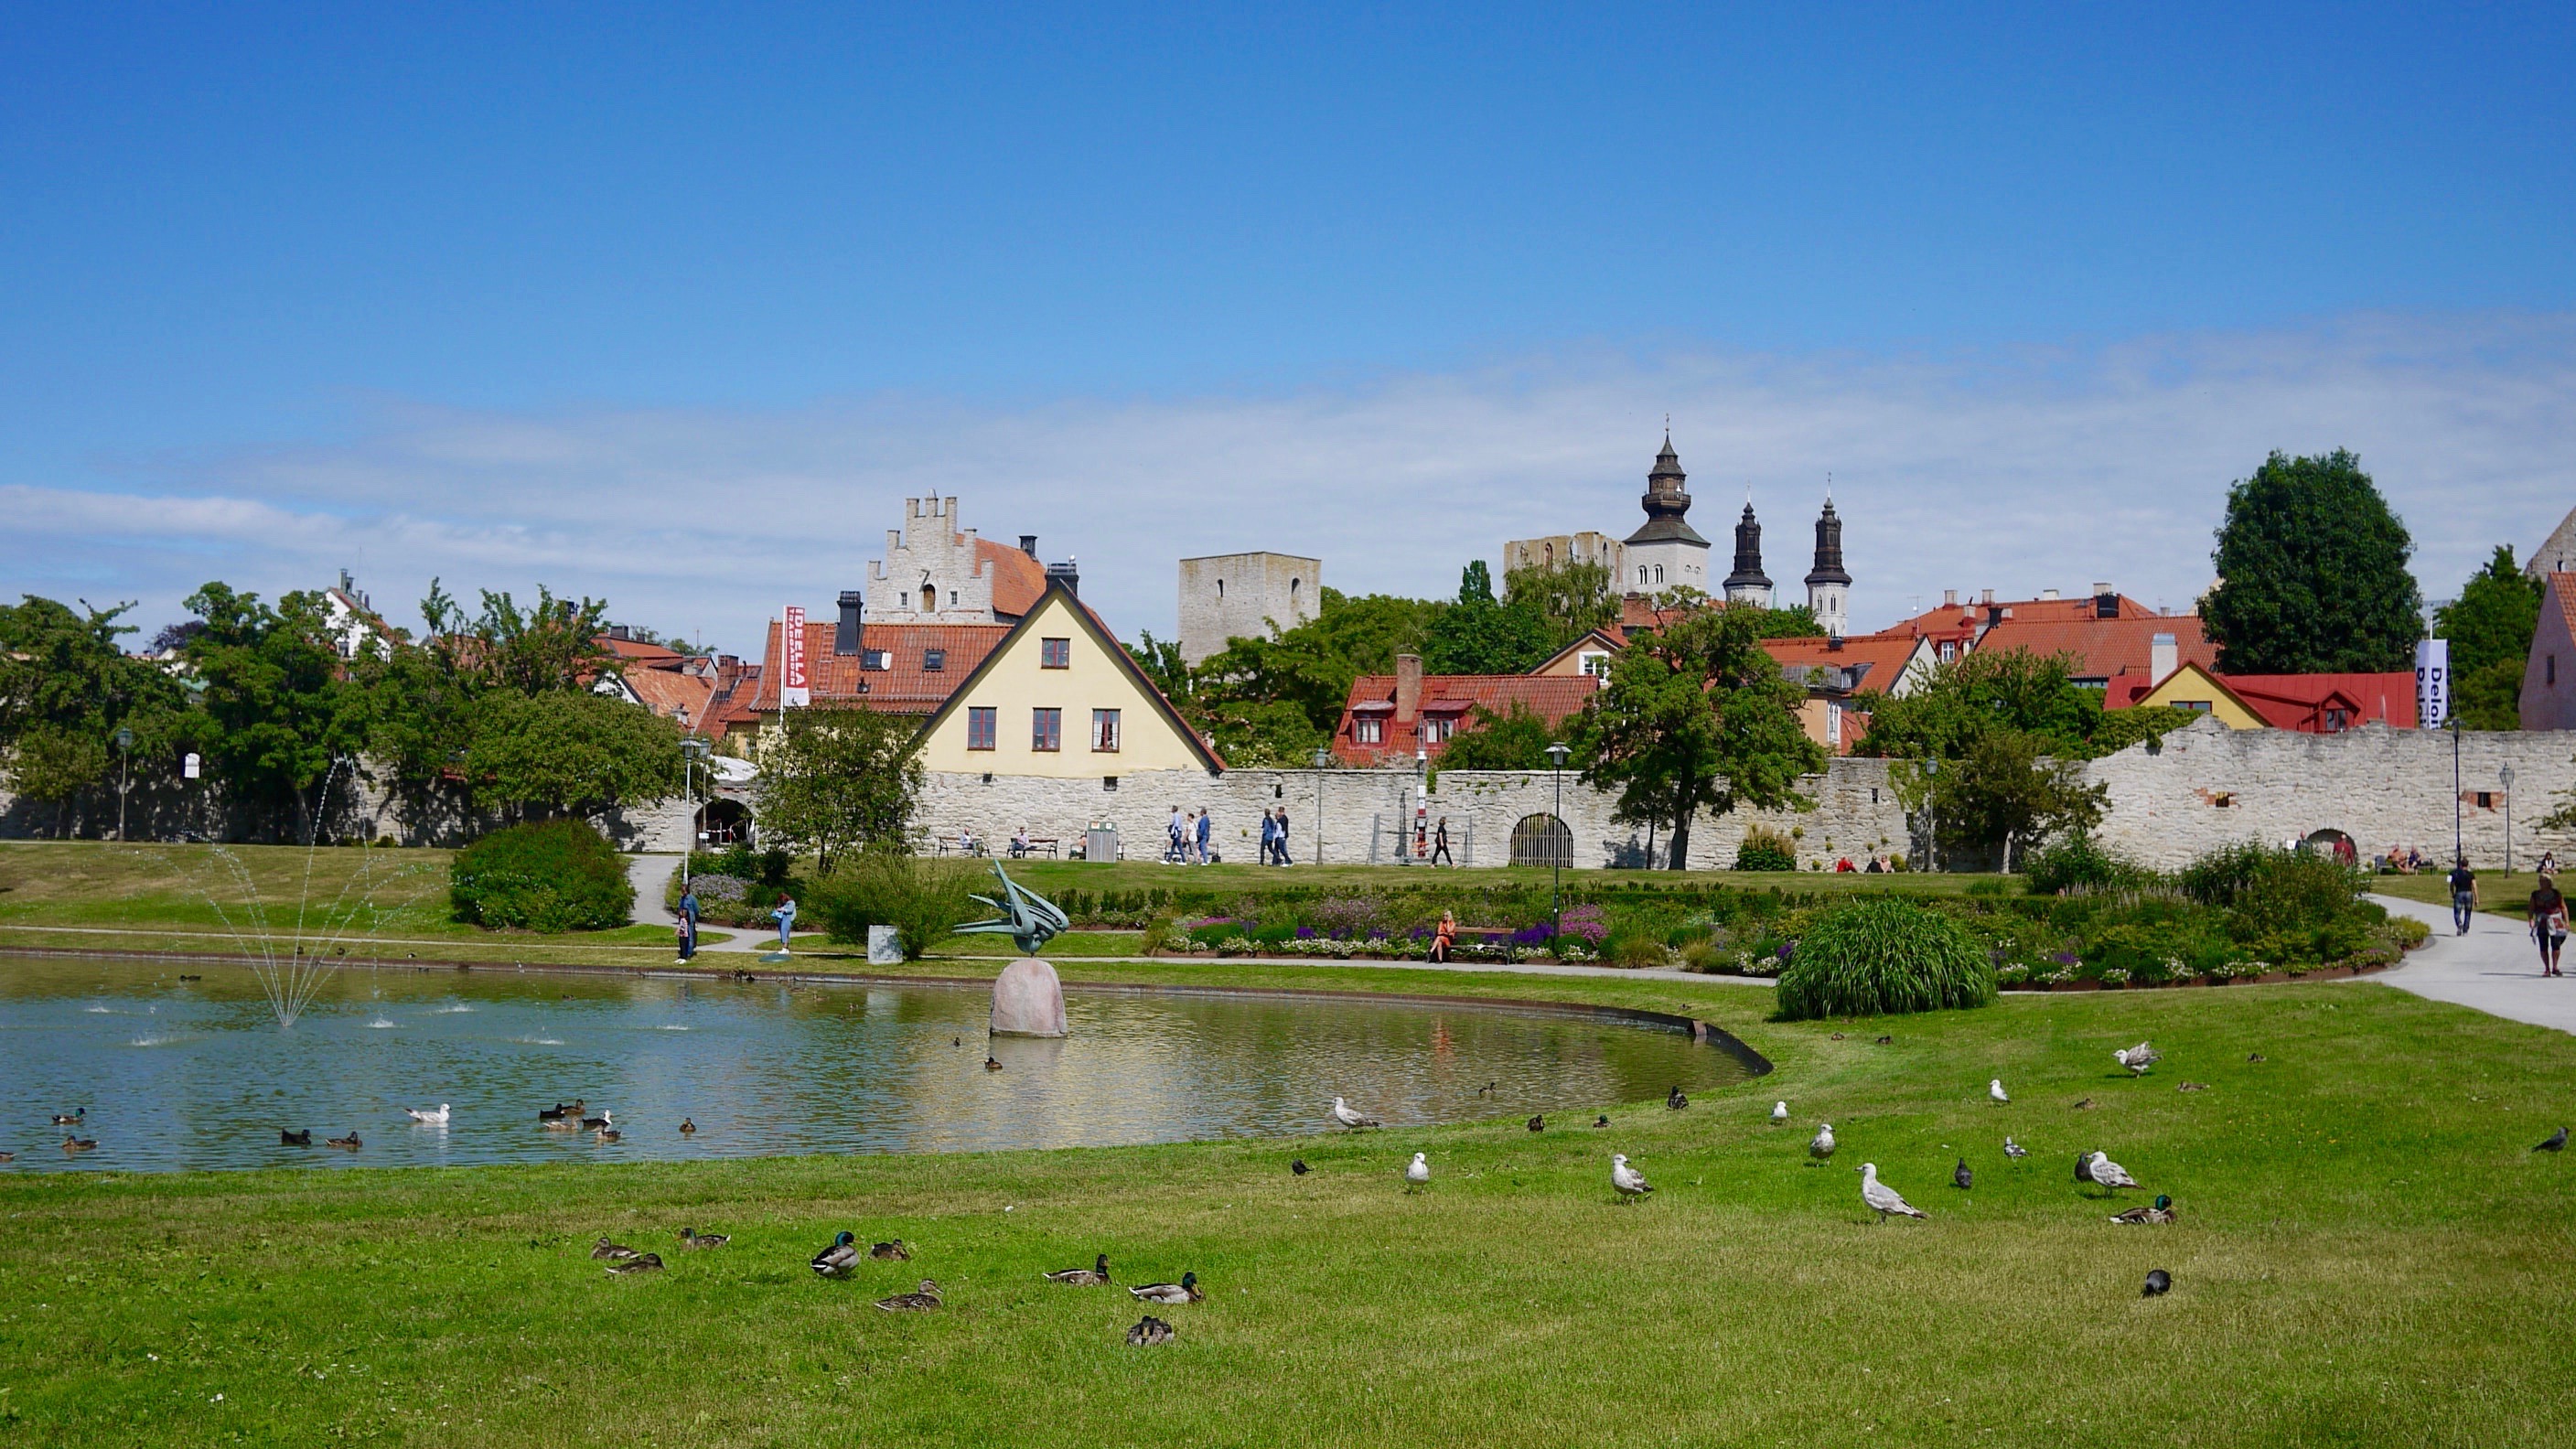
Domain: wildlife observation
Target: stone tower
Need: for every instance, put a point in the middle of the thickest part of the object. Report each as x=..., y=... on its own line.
x=1666, y=553
x=1748, y=584
x=1828, y=587
x=1242, y=596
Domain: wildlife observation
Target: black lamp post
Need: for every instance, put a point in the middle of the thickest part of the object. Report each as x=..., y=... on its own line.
x=124, y=774
x=2506, y=775
x=692, y=750
x=1931, y=819
x=1323, y=759
x=1556, y=754
x=2459, y=848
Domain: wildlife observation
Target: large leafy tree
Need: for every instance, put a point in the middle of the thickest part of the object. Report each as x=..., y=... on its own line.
x=1957, y=702
x=1514, y=741
x=2312, y=573
x=1573, y=598
x=1696, y=717
x=288, y=722
x=570, y=753
x=66, y=687
x=1272, y=701
x=2002, y=789
x=2490, y=626
x=1480, y=635
x=839, y=780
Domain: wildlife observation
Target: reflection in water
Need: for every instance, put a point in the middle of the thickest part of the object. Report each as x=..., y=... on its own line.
x=762, y=1068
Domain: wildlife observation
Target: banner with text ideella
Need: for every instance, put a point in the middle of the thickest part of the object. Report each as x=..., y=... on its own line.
x=792, y=692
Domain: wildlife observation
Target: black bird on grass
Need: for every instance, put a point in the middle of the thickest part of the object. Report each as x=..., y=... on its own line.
x=1538, y=1123
x=2557, y=1142
x=1676, y=1100
x=1601, y=1121
x=2158, y=1282
x=1298, y=1166
x=1962, y=1176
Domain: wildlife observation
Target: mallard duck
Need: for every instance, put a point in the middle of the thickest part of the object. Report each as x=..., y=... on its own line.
x=185, y=977
x=926, y=1299
x=1881, y=1198
x=1675, y=1100
x=835, y=1260
x=640, y=1263
x=1538, y=1123
x=1185, y=1291
x=1601, y=1121
x=71, y=1119
x=593, y=1124
x=608, y=1250
x=1149, y=1331
x=2162, y=1212
x=79, y=1144
x=990, y=1064
x=424, y=1114
x=294, y=1139
x=1629, y=1181
x=687, y=1126
x=349, y=1143
x=8, y=1157
x=1097, y=1275
x=893, y=1252
x=692, y=1238
x=1343, y=1114
x=559, y=1111
x=609, y=1134
x=561, y=1124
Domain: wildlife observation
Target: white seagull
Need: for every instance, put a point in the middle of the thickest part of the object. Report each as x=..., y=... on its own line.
x=1629, y=1181
x=1779, y=1111
x=1418, y=1174
x=2111, y=1174
x=2137, y=1058
x=1822, y=1145
x=1882, y=1198
x=423, y=1114
x=2014, y=1149
x=1995, y=1089
x=1343, y=1114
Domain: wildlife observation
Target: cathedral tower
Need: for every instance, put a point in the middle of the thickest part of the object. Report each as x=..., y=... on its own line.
x=1748, y=584
x=1828, y=587
x=1666, y=553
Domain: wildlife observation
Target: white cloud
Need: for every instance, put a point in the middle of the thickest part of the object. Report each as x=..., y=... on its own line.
x=2020, y=470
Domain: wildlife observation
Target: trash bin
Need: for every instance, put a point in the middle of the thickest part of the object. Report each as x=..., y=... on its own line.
x=1100, y=844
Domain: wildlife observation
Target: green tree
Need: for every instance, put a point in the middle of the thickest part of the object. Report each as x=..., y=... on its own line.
x=570, y=753
x=1514, y=741
x=1477, y=635
x=1797, y=621
x=2121, y=728
x=287, y=720
x=1161, y=661
x=1696, y=717
x=1272, y=701
x=1573, y=598
x=2490, y=627
x=2312, y=574
x=1949, y=708
x=54, y=765
x=838, y=780
x=2003, y=790
x=66, y=687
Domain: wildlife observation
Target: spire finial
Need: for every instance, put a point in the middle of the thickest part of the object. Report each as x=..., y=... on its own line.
x=1829, y=486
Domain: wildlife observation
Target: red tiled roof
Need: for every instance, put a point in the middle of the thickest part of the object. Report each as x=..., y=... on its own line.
x=667, y=691
x=636, y=651
x=1555, y=697
x=2106, y=649
x=1879, y=657
x=905, y=687
x=1944, y=618
x=2300, y=701
x=1019, y=581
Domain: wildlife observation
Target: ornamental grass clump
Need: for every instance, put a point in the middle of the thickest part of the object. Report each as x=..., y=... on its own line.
x=1883, y=956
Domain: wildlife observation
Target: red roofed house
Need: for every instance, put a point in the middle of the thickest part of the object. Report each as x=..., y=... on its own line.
x=2315, y=704
x=1387, y=717
x=2549, y=673
x=904, y=669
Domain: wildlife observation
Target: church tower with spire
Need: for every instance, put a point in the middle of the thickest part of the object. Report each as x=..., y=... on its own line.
x=1828, y=587
x=1667, y=552
x=1748, y=584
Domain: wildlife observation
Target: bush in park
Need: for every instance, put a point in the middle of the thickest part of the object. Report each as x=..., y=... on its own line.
x=924, y=900
x=556, y=875
x=1764, y=849
x=1883, y=956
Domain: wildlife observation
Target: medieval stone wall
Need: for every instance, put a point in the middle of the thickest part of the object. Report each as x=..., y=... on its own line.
x=1240, y=595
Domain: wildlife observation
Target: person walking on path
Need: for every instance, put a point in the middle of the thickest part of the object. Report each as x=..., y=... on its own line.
x=2464, y=896
x=1206, y=827
x=1284, y=837
x=2549, y=925
x=1443, y=937
x=784, y=913
x=1440, y=844
x=688, y=925
x=1269, y=836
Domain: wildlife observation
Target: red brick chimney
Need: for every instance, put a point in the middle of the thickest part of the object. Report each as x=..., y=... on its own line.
x=1408, y=686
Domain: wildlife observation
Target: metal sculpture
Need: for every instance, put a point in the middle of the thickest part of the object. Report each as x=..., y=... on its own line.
x=1027, y=918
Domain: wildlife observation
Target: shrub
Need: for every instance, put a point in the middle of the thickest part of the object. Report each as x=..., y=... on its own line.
x=557, y=875
x=1765, y=849
x=1881, y=955
x=2079, y=860
x=924, y=900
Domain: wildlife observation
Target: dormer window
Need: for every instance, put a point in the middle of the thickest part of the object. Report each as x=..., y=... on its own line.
x=933, y=661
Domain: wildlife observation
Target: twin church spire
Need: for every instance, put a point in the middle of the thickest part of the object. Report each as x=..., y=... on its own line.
x=1828, y=584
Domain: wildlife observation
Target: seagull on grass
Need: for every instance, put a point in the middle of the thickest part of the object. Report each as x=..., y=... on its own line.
x=1821, y=1146
x=2110, y=1174
x=1779, y=1111
x=1343, y=1114
x=2137, y=1058
x=1628, y=1180
x=1418, y=1175
x=1881, y=1198
x=1995, y=1089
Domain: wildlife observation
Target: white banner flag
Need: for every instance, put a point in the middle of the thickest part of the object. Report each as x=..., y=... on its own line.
x=2432, y=683
x=792, y=693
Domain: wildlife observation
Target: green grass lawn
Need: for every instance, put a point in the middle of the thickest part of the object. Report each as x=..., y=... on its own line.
x=2368, y=1253
x=1127, y=875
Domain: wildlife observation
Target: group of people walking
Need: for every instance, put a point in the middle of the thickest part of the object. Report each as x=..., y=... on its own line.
x=2547, y=910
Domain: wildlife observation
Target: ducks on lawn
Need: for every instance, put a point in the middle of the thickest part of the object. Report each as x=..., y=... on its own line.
x=2110, y=1174
x=1881, y=1198
x=424, y=1114
x=2161, y=1212
x=893, y=1252
x=1821, y=1146
x=1185, y=1291
x=1343, y=1114
x=349, y=1143
x=640, y=1263
x=1149, y=1331
x=1538, y=1123
x=294, y=1139
x=692, y=1238
x=607, y=1251
x=1675, y=1100
x=837, y=1259
x=922, y=1301
x=1095, y=1276
x=1629, y=1182
x=1601, y=1121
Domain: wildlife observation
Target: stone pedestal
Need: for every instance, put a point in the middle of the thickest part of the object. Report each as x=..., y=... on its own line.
x=1028, y=1000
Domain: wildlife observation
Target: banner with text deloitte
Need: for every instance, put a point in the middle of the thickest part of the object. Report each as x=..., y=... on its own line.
x=2432, y=683
x=792, y=693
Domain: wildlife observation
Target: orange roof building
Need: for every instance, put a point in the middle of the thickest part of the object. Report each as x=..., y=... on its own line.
x=1387, y=717
x=935, y=572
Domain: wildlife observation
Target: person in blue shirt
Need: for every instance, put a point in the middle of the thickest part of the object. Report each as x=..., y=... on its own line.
x=785, y=915
x=1205, y=825
x=688, y=925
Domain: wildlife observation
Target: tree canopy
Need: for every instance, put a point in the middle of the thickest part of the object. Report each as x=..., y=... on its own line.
x=839, y=780
x=2489, y=627
x=1479, y=635
x=2312, y=573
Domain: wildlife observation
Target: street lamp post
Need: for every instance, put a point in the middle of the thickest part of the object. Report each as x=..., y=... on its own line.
x=124, y=774
x=2506, y=775
x=692, y=750
x=1931, y=819
x=1323, y=758
x=2459, y=848
x=1556, y=754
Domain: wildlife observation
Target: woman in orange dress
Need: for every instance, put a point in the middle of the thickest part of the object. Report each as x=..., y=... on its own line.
x=1442, y=937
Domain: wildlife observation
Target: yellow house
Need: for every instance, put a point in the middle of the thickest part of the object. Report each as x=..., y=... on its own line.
x=1058, y=698
x=2194, y=688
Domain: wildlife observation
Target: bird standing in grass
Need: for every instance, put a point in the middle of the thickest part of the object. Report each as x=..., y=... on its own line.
x=2138, y=1058
x=1821, y=1146
x=921, y=1300
x=1297, y=1166
x=2110, y=1174
x=640, y=1263
x=1419, y=1174
x=1602, y=1120
x=892, y=1252
x=2015, y=1150
x=1629, y=1181
x=2557, y=1142
x=1538, y=1123
x=1960, y=1176
x=1095, y=1276
x=1779, y=1111
x=2158, y=1282
x=692, y=1238
x=1343, y=1114
x=1675, y=1100
x=1185, y=1291
x=1149, y=1331
x=1995, y=1089
x=837, y=1259
x=1881, y=1198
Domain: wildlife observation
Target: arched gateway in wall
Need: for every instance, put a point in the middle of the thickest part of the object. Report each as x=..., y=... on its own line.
x=1542, y=840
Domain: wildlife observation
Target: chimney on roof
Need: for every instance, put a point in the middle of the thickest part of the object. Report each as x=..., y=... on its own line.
x=1986, y=596
x=2163, y=658
x=1029, y=544
x=1408, y=685
x=1066, y=572
x=2048, y=594
x=2106, y=603
x=1949, y=598
x=621, y=631
x=1834, y=642
x=845, y=639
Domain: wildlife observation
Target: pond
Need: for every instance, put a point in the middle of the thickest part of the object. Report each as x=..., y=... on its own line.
x=180, y=1075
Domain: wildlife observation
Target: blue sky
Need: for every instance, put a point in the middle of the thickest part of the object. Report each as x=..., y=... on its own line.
x=677, y=305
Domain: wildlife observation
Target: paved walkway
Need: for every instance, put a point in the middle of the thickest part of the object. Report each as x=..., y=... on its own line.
x=2495, y=968
x=652, y=877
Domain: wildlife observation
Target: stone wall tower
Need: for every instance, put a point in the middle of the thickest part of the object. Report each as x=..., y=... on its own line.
x=1245, y=596
x=1748, y=584
x=1828, y=587
x=1666, y=553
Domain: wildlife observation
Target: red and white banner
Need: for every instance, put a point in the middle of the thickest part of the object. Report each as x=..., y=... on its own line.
x=792, y=693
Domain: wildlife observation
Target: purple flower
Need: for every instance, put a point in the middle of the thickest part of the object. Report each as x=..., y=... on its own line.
x=1305, y=933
